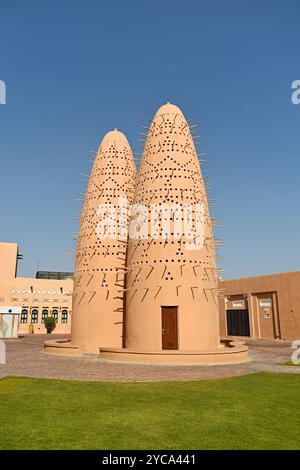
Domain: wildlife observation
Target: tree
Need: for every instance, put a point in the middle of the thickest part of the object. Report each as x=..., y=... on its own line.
x=50, y=324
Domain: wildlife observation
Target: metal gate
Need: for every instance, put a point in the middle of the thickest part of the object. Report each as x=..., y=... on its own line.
x=238, y=322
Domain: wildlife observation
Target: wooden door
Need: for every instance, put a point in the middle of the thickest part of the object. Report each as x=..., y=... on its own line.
x=169, y=328
x=266, y=315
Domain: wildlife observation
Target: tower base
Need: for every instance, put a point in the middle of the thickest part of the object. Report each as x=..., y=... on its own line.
x=229, y=352
x=62, y=347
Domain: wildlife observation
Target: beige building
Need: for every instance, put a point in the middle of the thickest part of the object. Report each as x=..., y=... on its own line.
x=26, y=302
x=262, y=307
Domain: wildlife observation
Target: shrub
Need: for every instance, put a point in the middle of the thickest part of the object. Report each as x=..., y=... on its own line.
x=50, y=324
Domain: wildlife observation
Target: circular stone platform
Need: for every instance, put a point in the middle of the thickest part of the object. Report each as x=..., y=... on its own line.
x=229, y=352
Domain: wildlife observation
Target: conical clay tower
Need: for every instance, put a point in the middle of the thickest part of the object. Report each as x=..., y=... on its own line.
x=150, y=296
x=97, y=318
x=171, y=284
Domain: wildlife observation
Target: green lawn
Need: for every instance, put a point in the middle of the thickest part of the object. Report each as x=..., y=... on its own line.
x=259, y=411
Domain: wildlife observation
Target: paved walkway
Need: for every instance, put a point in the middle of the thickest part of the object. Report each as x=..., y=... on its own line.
x=25, y=357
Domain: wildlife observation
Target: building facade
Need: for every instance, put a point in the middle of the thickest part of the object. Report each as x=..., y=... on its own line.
x=26, y=302
x=262, y=307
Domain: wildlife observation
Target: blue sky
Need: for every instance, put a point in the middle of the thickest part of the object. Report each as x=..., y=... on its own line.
x=75, y=69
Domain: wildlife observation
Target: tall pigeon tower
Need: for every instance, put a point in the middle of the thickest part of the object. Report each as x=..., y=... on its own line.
x=151, y=297
x=171, y=297
x=97, y=318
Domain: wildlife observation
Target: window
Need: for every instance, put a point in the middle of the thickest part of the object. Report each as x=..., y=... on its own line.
x=24, y=315
x=64, y=316
x=44, y=315
x=34, y=315
x=55, y=314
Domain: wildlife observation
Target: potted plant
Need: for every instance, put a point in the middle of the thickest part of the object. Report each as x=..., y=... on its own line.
x=50, y=324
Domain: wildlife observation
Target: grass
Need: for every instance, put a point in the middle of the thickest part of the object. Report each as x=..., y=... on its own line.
x=258, y=411
x=289, y=363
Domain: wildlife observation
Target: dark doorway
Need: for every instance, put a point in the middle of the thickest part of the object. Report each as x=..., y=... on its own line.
x=238, y=322
x=169, y=328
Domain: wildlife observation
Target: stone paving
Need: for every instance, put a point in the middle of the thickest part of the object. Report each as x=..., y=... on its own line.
x=25, y=358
